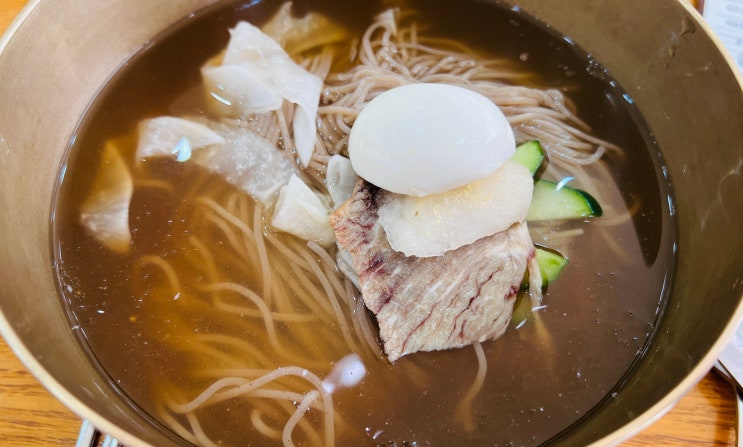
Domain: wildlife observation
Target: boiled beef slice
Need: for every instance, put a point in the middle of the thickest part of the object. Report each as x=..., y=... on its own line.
x=464, y=296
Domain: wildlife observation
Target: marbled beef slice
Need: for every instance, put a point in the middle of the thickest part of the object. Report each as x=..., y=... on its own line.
x=426, y=304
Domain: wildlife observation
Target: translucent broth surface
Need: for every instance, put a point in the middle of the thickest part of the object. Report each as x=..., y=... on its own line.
x=599, y=315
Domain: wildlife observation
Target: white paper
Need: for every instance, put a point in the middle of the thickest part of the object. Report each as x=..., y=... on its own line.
x=732, y=355
x=725, y=17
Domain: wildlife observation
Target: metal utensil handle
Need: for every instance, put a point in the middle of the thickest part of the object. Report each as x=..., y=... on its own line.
x=89, y=437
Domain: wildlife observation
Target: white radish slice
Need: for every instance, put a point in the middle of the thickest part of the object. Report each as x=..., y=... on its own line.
x=162, y=136
x=298, y=34
x=234, y=91
x=105, y=212
x=247, y=161
x=272, y=70
x=301, y=212
x=340, y=179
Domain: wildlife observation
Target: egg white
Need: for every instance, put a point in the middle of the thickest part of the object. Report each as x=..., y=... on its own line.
x=423, y=139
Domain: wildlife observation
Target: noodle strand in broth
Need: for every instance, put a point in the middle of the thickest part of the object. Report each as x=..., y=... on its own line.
x=253, y=324
x=391, y=53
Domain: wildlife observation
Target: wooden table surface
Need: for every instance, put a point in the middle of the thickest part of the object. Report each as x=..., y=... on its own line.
x=30, y=416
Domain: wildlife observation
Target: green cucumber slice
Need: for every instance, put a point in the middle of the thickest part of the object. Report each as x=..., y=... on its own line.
x=530, y=155
x=551, y=264
x=554, y=201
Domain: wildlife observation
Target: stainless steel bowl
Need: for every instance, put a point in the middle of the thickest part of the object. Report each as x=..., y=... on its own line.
x=54, y=61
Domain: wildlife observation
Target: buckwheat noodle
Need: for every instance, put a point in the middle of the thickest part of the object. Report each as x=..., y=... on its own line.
x=296, y=310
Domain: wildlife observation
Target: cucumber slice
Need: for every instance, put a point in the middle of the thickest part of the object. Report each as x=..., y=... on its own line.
x=554, y=201
x=530, y=155
x=551, y=264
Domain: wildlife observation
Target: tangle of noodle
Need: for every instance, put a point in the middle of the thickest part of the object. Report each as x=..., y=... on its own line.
x=297, y=310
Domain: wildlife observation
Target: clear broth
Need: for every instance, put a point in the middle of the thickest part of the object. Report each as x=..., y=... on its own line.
x=600, y=314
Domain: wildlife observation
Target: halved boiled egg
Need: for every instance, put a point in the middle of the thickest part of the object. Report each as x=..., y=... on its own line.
x=423, y=139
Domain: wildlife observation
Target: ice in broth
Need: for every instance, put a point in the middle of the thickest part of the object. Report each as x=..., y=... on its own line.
x=184, y=305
